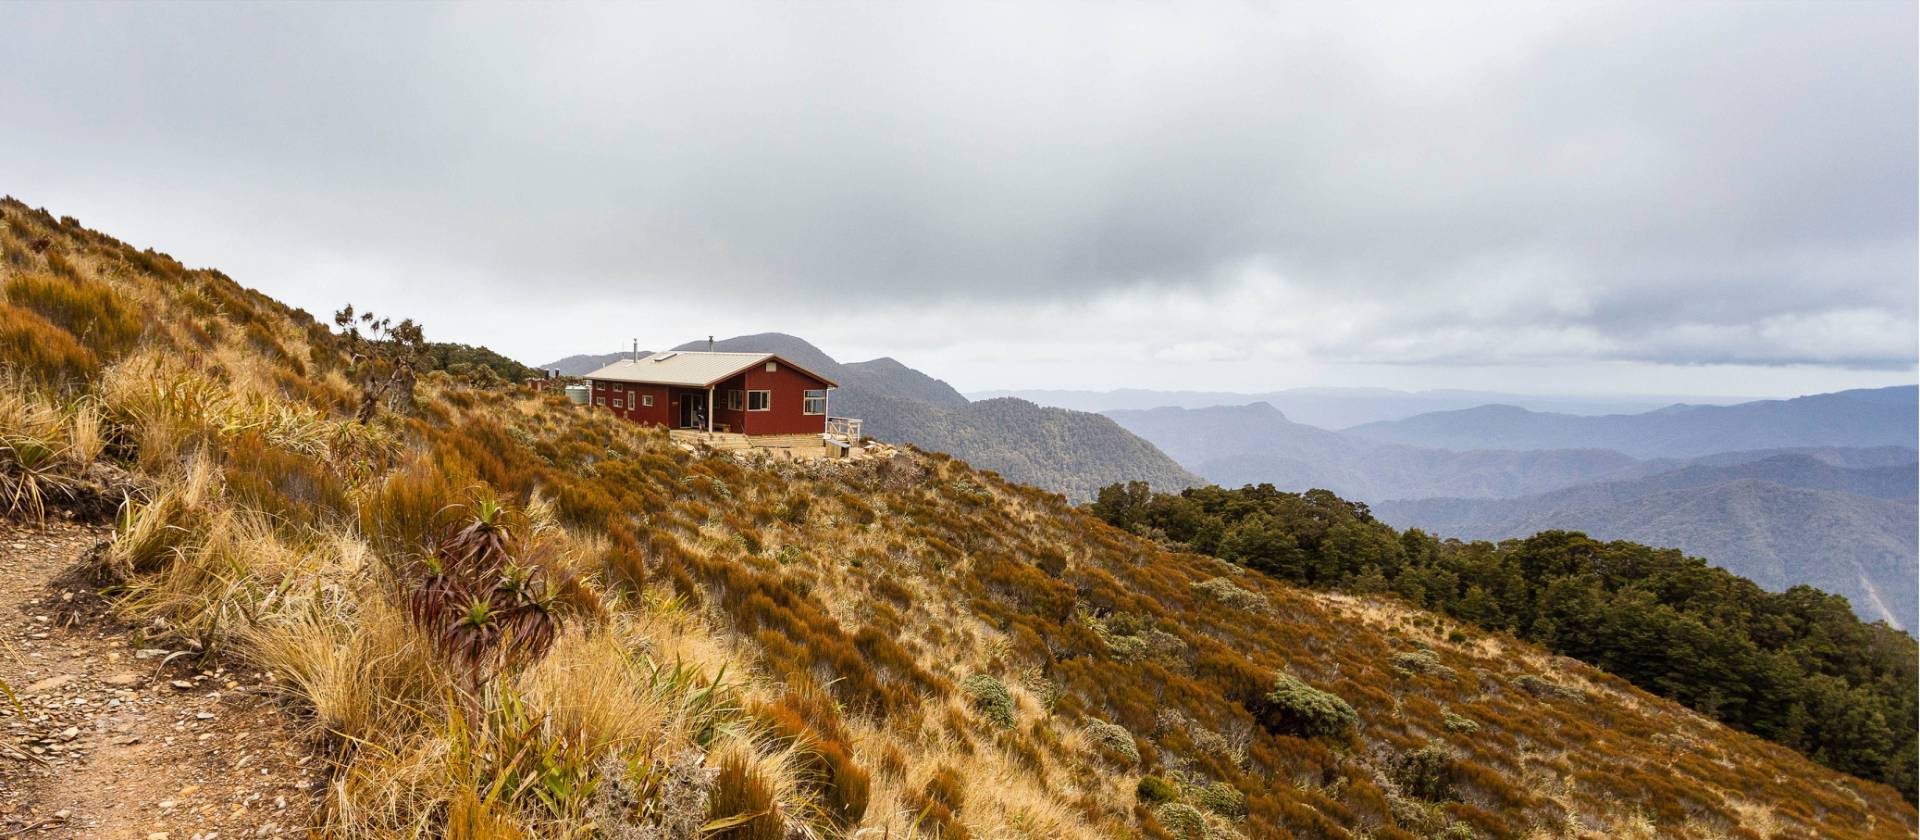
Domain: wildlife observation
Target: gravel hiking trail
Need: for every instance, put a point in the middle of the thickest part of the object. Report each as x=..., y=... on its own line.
x=114, y=740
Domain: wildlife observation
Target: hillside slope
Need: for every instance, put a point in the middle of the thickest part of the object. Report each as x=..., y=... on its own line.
x=692, y=643
x=1859, y=418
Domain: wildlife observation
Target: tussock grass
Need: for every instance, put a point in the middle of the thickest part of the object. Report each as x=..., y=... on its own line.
x=763, y=649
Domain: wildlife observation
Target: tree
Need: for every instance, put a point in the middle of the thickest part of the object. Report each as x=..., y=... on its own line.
x=385, y=359
x=1123, y=505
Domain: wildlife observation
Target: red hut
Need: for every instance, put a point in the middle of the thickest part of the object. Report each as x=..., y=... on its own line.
x=753, y=394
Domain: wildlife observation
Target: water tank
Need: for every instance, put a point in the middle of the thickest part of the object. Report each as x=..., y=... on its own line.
x=579, y=394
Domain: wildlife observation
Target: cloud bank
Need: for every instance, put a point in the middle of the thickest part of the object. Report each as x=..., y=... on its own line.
x=1435, y=186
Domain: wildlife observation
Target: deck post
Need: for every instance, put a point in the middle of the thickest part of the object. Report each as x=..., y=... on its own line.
x=709, y=409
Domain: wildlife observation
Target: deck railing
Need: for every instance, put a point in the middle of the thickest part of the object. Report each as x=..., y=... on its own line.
x=843, y=430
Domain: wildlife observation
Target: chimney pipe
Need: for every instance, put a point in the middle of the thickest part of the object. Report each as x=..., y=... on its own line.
x=636, y=349
x=709, y=344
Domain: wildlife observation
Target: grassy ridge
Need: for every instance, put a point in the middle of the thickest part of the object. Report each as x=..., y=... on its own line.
x=758, y=649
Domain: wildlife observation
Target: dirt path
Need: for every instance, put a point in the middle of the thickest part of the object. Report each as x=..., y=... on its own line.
x=118, y=742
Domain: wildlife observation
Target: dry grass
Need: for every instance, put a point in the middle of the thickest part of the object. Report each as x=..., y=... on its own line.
x=782, y=643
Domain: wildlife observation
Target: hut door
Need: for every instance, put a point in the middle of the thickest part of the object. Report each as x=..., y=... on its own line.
x=693, y=411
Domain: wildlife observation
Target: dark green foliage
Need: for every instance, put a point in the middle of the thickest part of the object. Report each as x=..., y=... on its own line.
x=1154, y=790
x=475, y=364
x=1425, y=773
x=1797, y=666
x=1294, y=707
x=1220, y=798
x=1185, y=821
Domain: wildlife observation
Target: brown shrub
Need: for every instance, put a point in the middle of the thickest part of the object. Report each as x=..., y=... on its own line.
x=294, y=488
x=937, y=804
x=38, y=347
x=742, y=800
x=88, y=309
x=807, y=716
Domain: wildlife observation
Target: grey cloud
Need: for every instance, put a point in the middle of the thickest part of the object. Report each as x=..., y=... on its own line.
x=1668, y=179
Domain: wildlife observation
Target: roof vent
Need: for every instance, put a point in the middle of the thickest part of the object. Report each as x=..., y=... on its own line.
x=665, y=356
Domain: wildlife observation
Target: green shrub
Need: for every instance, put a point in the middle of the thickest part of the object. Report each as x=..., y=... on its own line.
x=1228, y=593
x=1154, y=790
x=989, y=695
x=1185, y=821
x=1420, y=662
x=1220, y=798
x=1293, y=707
x=1456, y=723
x=1114, y=740
x=1425, y=773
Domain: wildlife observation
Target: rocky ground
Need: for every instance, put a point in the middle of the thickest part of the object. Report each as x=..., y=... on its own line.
x=116, y=739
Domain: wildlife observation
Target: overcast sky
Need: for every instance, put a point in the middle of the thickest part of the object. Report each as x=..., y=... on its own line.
x=1693, y=198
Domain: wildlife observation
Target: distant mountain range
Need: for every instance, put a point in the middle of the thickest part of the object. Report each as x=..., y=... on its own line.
x=1875, y=417
x=1253, y=444
x=1339, y=408
x=584, y=364
x=1780, y=521
x=1074, y=453
x=1816, y=510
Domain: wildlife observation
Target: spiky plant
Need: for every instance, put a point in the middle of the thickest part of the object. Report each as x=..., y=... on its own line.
x=484, y=608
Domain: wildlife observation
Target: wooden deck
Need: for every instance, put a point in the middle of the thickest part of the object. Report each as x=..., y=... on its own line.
x=786, y=446
x=841, y=438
